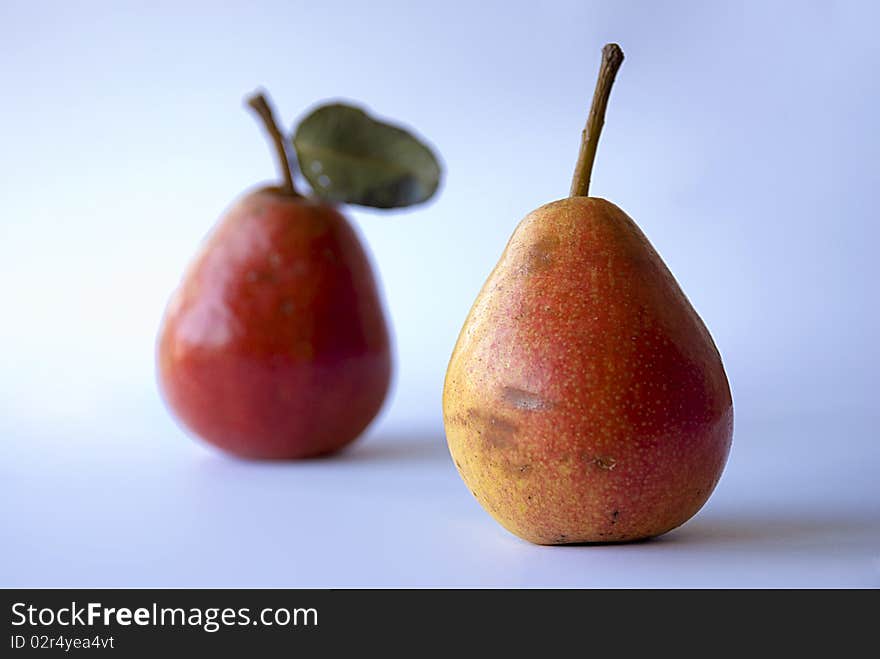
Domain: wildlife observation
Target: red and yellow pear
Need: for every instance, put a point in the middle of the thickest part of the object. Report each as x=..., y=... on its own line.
x=585, y=400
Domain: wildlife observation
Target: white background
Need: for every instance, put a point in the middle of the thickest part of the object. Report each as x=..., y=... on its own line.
x=740, y=136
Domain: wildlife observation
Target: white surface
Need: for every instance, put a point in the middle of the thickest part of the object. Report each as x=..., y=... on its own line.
x=740, y=136
x=798, y=506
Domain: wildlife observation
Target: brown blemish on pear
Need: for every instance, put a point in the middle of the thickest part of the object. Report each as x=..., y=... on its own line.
x=522, y=399
x=540, y=255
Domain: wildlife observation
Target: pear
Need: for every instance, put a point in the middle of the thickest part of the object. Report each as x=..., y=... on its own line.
x=275, y=344
x=585, y=400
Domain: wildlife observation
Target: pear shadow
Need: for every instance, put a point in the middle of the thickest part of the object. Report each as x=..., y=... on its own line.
x=759, y=532
x=766, y=531
x=417, y=446
x=423, y=446
x=608, y=543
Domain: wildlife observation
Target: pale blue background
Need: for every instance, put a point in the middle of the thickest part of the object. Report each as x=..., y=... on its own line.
x=742, y=136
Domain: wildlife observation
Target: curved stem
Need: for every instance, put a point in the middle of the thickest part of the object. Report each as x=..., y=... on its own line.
x=612, y=58
x=259, y=104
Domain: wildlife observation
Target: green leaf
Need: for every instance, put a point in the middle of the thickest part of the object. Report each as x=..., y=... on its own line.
x=349, y=157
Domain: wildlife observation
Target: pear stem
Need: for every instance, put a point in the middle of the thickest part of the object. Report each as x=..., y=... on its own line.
x=612, y=58
x=259, y=104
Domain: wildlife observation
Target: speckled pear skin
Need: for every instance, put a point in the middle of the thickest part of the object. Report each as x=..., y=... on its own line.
x=585, y=400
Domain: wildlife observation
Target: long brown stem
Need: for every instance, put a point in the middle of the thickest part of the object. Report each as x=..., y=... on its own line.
x=259, y=104
x=612, y=58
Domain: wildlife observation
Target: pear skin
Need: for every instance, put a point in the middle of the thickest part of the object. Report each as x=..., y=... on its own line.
x=275, y=345
x=585, y=400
